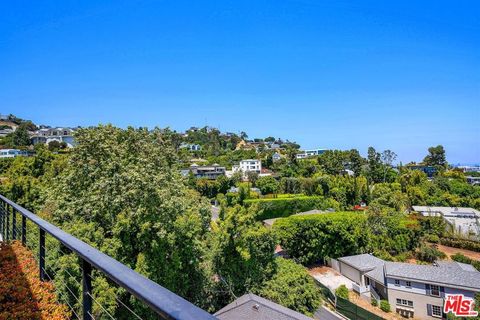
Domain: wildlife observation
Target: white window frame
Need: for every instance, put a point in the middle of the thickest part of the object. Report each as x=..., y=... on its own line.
x=439, y=309
x=437, y=290
x=404, y=302
x=408, y=284
x=397, y=282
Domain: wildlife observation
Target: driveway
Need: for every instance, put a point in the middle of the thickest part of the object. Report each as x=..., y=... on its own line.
x=330, y=278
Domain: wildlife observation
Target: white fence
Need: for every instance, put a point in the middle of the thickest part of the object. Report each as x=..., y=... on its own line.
x=359, y=289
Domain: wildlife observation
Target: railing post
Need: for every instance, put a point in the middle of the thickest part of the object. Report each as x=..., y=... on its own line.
x=42, y=254
x=1, y=221
x=4, y=220
x=7, y=222
x=24, y=230
x=14, y=223
x=87, y=290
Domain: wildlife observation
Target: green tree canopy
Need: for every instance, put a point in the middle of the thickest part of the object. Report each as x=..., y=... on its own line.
x=436, y=157
x=122, y=192
x=292, y=287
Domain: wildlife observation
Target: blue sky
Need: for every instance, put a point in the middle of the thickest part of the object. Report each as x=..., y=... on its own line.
x=401, y=75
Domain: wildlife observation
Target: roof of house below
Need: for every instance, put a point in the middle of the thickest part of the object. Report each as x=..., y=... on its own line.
x=363, y=262
x=442, y=273
x=253, y=307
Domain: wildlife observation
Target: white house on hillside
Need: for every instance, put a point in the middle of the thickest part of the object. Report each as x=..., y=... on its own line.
x=12, y=153
x=47, y=135
x=249, y=165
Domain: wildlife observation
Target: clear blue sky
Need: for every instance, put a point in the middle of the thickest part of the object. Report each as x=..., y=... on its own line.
x=402, y=75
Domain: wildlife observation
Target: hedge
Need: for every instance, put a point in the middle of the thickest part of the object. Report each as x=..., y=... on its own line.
x=461, y=243
x=311, y=238
x=284, y=207
x=22, y=294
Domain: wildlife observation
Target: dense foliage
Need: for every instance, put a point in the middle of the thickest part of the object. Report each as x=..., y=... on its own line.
x=122, y=192
x=313, y=238
x=461, y=243
x=292, y=287
x=283, y=207
x=242, y=251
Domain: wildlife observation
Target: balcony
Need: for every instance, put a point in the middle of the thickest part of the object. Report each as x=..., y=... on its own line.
x=25, y=239
x=360, y=289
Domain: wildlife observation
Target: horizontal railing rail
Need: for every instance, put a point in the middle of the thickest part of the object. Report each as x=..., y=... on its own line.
x=165, y=303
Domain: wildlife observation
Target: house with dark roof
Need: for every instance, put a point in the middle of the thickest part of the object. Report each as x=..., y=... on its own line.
x=211, y=172
x=253, y=307
x=412, y=290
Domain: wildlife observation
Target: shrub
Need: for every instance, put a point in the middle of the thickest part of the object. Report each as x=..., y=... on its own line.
x=433, y=238
x=342, y=292
x=284, y=207
x=292, y=287
x=461, y=243
x=429, y=254
x=374, y=302
x=22, y=294
x=402, y=257
x=384, y=305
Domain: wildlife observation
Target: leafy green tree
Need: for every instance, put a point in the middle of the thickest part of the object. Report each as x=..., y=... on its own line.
x=429, y=254
x=374, y=165
x=292, y=287
x=243, y=252
x=387, y=157
x=56, y=145
x=267, y=185
x=252, y=177
x=333, y=161
x=20, y=137
x=126, y=186
x=355, y=162
x=436, y=157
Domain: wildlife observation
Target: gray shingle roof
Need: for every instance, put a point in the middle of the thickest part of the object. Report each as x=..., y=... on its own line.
x=444, y=273
x=377, y=274
x=363, y=262
x=253, y=307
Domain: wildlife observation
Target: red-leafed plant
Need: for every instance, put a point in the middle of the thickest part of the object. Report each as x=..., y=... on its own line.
x=22, y=295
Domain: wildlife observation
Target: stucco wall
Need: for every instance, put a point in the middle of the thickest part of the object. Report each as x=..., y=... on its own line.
x=350, y=272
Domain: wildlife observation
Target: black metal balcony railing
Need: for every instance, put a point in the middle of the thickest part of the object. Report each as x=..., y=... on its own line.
x=162, y=301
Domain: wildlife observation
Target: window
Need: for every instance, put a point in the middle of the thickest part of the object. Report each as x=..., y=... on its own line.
x=403, y=302
x=409, y=284
x=437, y=311
x=397, y=282
x=435, y=290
